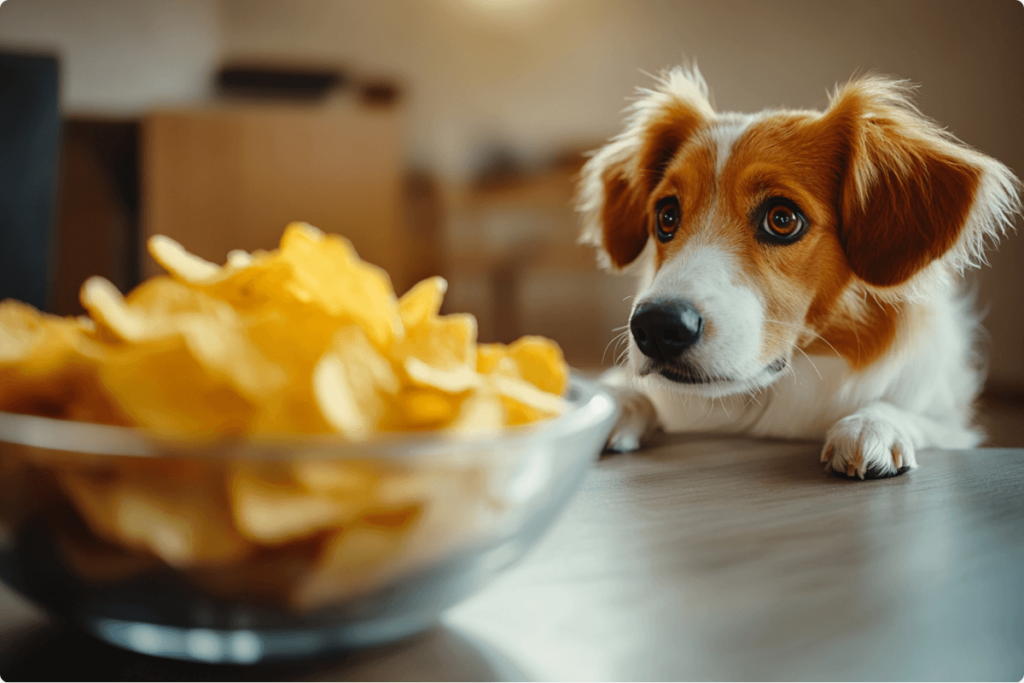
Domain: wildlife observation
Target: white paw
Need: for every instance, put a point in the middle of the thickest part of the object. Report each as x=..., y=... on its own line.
x=867, y=447
x=637, y=421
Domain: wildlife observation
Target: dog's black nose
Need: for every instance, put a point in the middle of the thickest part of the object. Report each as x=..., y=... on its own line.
x=665, y=329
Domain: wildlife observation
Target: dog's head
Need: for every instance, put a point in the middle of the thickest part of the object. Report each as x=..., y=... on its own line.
x=760, y=236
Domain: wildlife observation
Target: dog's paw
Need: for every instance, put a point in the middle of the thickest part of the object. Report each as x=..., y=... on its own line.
x=637, y=421
x=867, y=447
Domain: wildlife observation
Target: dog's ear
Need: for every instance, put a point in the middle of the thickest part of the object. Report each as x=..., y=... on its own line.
x=911, y=195
x=617, y=181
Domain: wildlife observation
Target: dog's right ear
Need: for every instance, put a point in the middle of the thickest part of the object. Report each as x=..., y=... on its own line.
x=617, y=181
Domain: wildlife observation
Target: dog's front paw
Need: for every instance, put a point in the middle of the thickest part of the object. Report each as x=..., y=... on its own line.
x=867, y=447
x=637, y=421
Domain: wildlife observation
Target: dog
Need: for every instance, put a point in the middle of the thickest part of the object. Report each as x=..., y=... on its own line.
x=799, y=271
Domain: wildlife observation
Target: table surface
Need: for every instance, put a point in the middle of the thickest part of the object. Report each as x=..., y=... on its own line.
x=699, y=558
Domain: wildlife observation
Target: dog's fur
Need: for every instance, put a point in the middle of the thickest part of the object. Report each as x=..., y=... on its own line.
x=856, y=333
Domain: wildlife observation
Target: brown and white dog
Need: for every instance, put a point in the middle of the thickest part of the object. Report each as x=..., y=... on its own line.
x=798, y=270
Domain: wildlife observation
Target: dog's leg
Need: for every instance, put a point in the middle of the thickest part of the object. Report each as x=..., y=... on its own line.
x=637, y=417
x=880, y=441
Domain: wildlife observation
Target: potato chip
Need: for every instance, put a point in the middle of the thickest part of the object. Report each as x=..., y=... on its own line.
x=350, y=383
x=356, y=559
x=178, y=394
x=32, y=340
x=338, y=477
x=441, y=354
x=488, y=356
x=479, y=414
x=247, y=282
x=525, y=402
x=423, y=302
x=541, y=363
x=327, y=273
x=180, y=263
x=177, y=510
x=213, y=332
x=47, y=367
x=426, y=407
x=270, y=506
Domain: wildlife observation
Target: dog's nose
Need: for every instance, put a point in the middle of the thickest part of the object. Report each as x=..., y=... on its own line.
x=664, y=330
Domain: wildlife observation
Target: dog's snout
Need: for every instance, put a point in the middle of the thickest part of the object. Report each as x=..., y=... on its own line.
x=664, y=330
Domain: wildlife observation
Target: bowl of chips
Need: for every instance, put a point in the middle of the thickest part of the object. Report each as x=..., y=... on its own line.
x=275, y=457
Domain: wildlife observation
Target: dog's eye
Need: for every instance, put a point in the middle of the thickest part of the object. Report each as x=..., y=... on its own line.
x=781, y=222
x=668, y=218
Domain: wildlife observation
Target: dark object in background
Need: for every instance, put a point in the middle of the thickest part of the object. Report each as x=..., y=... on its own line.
x=97, y=226
x=29, y=143
x=379, y=93
x=270, y=82
x=497, y=166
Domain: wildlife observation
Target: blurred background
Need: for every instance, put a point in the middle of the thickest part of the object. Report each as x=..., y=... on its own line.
x=441, y=136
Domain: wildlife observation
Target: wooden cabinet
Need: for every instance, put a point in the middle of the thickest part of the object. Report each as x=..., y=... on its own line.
x=232, y=177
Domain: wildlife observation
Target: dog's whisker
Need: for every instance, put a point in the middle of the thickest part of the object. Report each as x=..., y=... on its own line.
x=806, y=330
x=794, y=345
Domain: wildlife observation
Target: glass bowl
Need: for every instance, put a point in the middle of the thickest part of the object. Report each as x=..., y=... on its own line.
x=239, y=551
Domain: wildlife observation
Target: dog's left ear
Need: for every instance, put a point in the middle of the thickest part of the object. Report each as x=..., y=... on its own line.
x=911, y=194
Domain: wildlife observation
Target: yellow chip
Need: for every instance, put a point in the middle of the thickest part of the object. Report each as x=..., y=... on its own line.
x=271, y=507
x=327, y=273
x=180, y=263
x=247, y=282
x=488, y=356
x=426, y=407
x=441, y=353
x=422, y=302
x=47, y=367
x=162, y=309
x=162, y=387
x=357, y=559
x=338, y=478
x=177, y=510
x=35, y=342
x=541, y=363
x=481, y=413
x=524, y=402
x=350, y=383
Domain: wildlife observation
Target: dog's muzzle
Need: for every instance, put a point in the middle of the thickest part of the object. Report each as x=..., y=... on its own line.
x=665, y=329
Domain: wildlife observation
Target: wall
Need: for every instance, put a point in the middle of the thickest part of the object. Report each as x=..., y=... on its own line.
x=120, y=56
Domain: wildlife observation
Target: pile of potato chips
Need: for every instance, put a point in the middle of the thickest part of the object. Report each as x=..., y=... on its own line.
x=306, y=339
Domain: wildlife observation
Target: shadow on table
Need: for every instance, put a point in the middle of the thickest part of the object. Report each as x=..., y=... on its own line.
x=63, y=652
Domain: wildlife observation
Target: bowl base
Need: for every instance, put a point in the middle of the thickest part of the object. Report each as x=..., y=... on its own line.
x=249, y=646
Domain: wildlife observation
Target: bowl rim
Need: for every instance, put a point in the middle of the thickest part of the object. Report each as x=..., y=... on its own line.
x=591, y=404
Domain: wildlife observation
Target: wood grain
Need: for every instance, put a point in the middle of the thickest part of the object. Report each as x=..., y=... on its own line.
x=706, y=559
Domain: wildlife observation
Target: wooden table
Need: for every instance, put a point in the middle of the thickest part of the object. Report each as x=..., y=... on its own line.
x=700, y=558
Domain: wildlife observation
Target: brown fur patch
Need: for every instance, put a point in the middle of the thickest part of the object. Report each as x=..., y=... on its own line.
x=626, y=214
x=904, y=200
x=624, y=218
x=861, y=336
x=691, y=179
